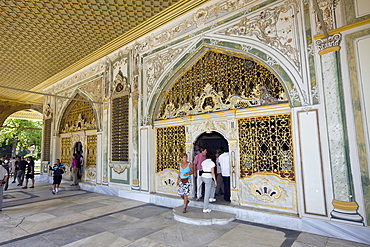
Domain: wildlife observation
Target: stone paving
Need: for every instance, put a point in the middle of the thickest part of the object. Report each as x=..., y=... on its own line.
x=36, y=217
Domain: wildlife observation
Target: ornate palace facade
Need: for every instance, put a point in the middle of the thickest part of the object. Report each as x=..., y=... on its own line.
x=283, y=82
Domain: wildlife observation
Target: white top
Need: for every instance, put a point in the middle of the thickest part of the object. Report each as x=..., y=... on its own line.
x=218, y=165
x=225, y=164
x=207, y=167
x=3, y=172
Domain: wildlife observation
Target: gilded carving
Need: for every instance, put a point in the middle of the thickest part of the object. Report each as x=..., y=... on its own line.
x=218, y=82
x=266, y=191
x=329, y=42
x=78, y=116
x=121, y=84
x=91, y=172
x=273, y=26
x=48, y=112
x=119, y=168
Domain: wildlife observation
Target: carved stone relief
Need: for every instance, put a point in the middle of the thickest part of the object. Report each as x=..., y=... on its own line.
x=155, y=65
x=119, y=168
x=327, y=8
x=273, y=26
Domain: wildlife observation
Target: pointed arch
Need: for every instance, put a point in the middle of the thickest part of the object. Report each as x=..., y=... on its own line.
x=259, y=55
x=77, y=116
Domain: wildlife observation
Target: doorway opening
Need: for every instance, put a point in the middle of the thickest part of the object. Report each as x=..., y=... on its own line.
x=212, y=141
x=77, y=149
x=215, y=144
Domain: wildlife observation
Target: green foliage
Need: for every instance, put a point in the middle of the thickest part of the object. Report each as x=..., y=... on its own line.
x=21, y=134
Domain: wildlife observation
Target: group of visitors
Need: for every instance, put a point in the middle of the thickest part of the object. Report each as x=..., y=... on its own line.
x=212, y=170
x=19, y=168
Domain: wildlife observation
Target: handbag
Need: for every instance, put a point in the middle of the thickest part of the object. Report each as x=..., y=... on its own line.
x=184, y=180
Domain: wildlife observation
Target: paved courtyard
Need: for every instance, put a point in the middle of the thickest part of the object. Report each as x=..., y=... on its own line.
x=36, y=217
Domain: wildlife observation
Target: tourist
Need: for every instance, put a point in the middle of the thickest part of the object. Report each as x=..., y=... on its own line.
x=6, y=164
x=225, y=171
x=3, y=178
x=74, y=170
x=30, y=173
x=16, y=169
x=198, y=165
x=220, y=183
x=209, y=179
x=185, y=171
x=59, y=169
x=22, y=164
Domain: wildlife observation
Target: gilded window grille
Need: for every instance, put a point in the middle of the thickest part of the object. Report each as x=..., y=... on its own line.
x=170, y=145
x=91, y=150
x=120, y=128
x=265, y=146
x=231, y=75
x=66, y=144
x=78, y=116
x=46, y=140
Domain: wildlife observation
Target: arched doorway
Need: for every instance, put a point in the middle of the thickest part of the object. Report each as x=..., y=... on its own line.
x=212, y=141
x=215, y=144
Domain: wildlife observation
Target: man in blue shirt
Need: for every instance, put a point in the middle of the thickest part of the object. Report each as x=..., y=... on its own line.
x=58, y=171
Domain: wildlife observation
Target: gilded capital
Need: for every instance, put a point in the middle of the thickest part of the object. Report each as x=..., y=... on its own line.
x=329, y=44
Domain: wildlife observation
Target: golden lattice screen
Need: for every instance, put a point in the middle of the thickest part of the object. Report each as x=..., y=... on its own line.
x=265, y=146
x=91, y=150
x=46, y=140
x=65, y=154
x=225, y=73
x=170, y=145
x=78, y=116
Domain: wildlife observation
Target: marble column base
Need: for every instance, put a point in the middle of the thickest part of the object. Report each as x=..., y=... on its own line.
x=346, y=212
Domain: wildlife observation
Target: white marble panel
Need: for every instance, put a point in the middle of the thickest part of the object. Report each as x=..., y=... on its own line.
x=269, y=191
x=312, y=173
x=166, y=181
x=362, y=7
x=120, y=176
x=144, y=183
x=363, y=52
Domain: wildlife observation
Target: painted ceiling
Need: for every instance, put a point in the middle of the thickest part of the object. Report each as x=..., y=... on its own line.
x=41, y=39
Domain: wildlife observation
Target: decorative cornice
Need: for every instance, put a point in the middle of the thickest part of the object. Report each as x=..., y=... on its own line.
x=329, y=44
x=342, y=29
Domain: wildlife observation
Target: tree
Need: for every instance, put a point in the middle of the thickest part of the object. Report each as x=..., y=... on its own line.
x=21, y=134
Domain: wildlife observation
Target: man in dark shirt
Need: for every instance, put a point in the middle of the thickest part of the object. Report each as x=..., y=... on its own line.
x=30, y=173
x=58, y=171
x=22, y=164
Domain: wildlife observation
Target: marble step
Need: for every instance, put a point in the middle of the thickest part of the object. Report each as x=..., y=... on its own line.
x=195, y=216
x=68, y=188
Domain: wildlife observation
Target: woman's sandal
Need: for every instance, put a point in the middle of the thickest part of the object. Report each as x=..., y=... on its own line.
x=184, y=210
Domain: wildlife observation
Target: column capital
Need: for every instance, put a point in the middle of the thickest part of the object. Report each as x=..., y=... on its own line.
x=329, y=44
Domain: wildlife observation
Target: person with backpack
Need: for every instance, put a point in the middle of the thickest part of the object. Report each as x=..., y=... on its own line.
x=58, y=169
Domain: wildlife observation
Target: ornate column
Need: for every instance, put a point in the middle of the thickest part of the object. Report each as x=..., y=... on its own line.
x=345, y=206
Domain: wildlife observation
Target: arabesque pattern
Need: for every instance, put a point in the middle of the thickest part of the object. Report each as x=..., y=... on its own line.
x=220, y=81
x=78, y=116
x=265, y=146
x=91, y=151
x=170, y=145
x=65, y=154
